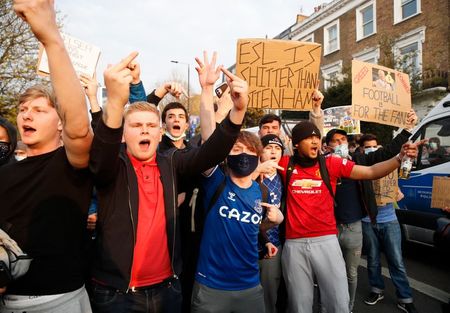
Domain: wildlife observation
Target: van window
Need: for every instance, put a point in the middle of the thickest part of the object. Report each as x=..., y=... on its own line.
x=437, y=149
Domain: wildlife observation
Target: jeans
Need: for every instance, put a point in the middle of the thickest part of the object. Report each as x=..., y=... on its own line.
x=350, y=240
x=160, y=298
x=386, y=236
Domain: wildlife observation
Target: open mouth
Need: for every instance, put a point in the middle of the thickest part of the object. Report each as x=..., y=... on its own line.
x=177, y=127
x=27, y=130
x=144, y=144
x=273, y=158
x=315, y=149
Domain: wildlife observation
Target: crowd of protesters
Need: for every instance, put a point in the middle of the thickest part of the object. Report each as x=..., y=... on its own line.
x=114, y=210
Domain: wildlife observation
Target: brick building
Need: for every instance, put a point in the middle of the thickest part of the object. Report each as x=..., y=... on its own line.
x=380, y=31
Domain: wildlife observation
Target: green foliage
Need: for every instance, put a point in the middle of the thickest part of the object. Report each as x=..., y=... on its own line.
x=252, y=117
x=18, y=59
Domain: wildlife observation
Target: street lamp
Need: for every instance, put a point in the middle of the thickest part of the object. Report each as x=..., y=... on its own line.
x=188, y=82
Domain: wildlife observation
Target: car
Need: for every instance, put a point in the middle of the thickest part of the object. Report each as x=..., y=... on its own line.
x=420, y=222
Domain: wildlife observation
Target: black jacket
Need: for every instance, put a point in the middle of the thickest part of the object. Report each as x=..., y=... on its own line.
x=118, y=196
x=369, y=203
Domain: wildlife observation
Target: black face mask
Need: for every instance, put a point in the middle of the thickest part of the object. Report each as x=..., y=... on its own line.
x=4, y=151
x=242, y=164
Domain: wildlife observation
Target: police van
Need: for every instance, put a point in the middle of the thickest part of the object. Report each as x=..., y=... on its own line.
x=420, y=222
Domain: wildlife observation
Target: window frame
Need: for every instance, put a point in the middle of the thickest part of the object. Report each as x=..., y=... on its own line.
x=327, y=50
x=398, y=14
x=359, y=20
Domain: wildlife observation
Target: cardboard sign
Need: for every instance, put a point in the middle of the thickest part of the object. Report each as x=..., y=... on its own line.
x=380, y=94
x=440, y=197
x=386, y=189
x=83, y=55
x=281, y=74
x=340, y=117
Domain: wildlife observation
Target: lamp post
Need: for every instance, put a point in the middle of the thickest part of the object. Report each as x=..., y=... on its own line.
x=188, y=82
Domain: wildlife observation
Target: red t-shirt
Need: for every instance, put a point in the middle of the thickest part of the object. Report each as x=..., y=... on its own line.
x=151, y=261
x=310, y=210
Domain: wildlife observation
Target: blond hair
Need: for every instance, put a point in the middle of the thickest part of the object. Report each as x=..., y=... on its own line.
x=36, y=92
x=140, y=106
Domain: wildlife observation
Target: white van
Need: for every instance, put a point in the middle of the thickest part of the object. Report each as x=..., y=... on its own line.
x=419, y=220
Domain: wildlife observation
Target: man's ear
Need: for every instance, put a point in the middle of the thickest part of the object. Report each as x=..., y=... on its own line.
x=161, y=132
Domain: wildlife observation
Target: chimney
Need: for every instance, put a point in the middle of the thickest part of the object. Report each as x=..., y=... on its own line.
x=301, y=18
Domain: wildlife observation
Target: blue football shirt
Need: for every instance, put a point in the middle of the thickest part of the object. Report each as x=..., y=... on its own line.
x=229, y=249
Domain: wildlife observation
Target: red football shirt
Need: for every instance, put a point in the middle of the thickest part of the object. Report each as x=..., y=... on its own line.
x=151, y=261
x=310, y=210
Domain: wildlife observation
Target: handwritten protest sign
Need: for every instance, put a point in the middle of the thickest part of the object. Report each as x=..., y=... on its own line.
x=386, y=189
x=440, y=197
x=380, y=94
x=83, y=55
x=282, y=74
x=340, y=117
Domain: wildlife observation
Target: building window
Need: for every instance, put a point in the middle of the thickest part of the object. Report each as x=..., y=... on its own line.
x=409, y=58
x=331, y=74
x=404, y=9
x=371, y=55
x=331, y=37
x=366, y=20
x=309, y=38
x=408, y=52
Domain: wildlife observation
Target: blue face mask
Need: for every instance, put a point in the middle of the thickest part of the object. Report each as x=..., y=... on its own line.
x=341, y=150
x=433, y=145
x=371, y=149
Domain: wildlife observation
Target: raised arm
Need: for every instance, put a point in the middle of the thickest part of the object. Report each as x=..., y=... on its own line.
x=208, y=74
x=316, y=114
x=381, y=169
x=71, y=106
x=108, y=133
x=394, y=147
x=117, y=80
x=239, y=96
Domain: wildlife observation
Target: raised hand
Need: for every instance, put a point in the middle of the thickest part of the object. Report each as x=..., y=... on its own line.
x=273, y=213
x=117, y=80
x=238, y=90
x=135, y=69
x=411, y=149
x=317, y=98
x=90, y=85
x=207, y=71
x=411, y=120
x=41, y=16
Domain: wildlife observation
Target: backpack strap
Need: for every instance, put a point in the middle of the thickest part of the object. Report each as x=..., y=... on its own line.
x=325, y=176
x=289, y=170
x=216, y=195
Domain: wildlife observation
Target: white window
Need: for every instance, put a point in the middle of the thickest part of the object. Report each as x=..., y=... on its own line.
x=404, y=9
x=331, y=37
x=371, y=55
x=408, y=51
x=366, y=23
x=309, y=38
x=331, y=74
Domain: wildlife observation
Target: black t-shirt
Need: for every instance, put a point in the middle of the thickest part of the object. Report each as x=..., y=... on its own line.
x=44, y=205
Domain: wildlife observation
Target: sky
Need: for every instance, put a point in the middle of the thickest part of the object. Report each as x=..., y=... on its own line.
x=179, y=30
